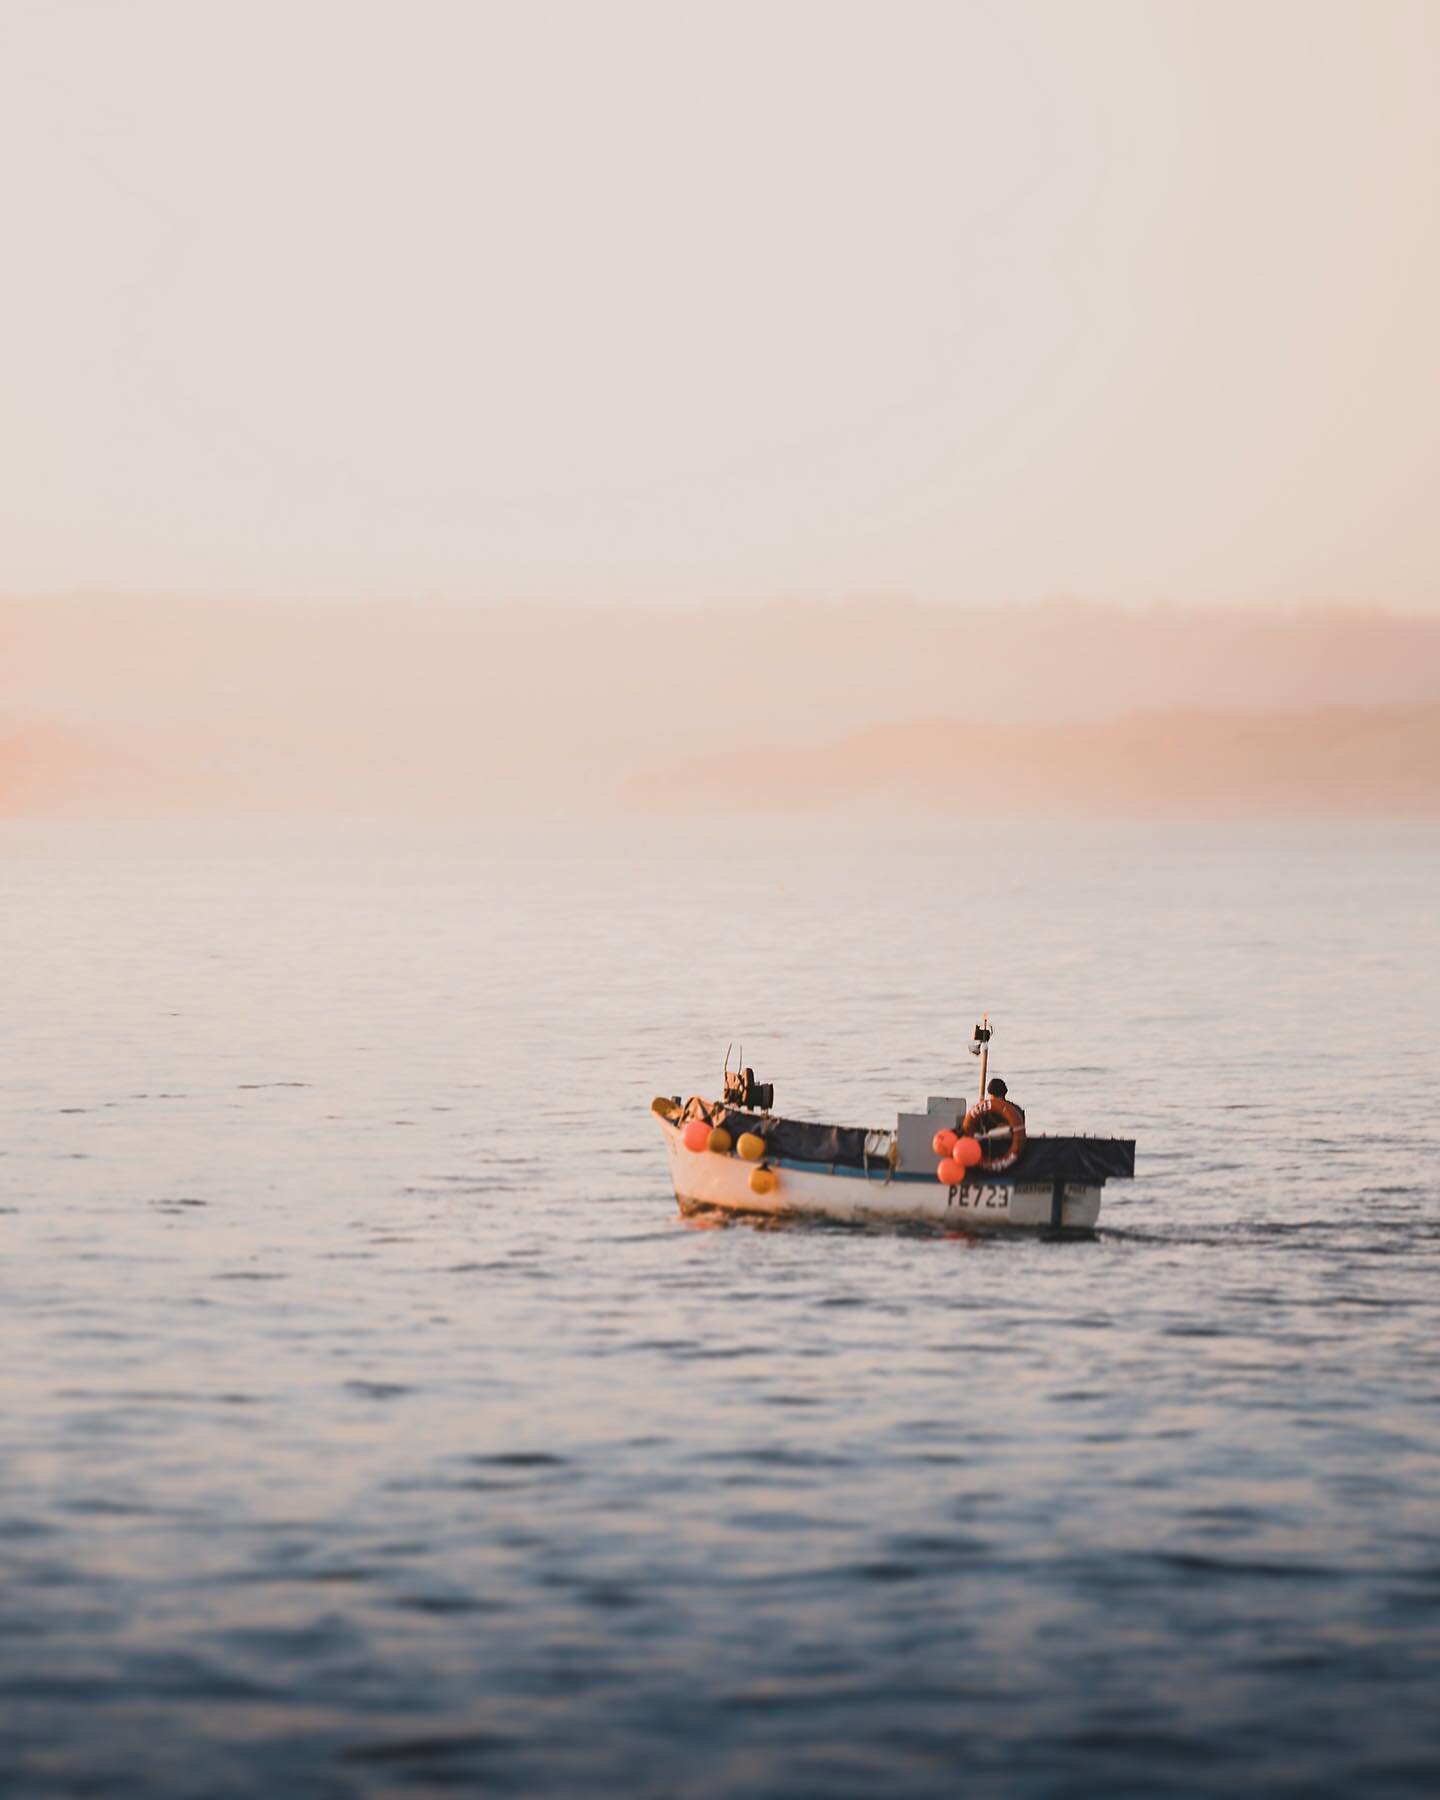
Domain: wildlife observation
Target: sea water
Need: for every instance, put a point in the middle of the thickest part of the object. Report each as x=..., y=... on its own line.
x=372, y=1422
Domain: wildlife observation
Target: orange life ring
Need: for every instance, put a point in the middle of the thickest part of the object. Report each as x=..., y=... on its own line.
x=987, y=1116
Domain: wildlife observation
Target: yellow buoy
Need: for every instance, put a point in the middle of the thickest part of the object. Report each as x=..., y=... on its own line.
x=752, y=1148
x=762, y=1181
x=720, y=1141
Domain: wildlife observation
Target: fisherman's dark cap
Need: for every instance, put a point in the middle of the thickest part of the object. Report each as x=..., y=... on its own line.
x=998, y=1088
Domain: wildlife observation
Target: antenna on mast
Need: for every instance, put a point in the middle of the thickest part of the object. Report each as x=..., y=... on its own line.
x=980, y=1046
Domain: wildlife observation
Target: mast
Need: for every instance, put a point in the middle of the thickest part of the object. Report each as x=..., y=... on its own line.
x=980, y=1046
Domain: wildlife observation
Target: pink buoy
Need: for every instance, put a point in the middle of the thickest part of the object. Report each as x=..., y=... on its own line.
x=950, y=1172
x=696, y=1135
x=968, y=1152
x=943, y=1143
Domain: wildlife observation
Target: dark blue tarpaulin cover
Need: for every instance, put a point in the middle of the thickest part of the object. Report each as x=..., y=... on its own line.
x=1083, y=1159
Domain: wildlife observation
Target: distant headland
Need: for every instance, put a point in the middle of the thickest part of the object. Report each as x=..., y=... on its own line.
x=118, y=706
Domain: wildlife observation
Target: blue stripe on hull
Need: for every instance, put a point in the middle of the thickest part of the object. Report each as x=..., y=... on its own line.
x=881, y=1172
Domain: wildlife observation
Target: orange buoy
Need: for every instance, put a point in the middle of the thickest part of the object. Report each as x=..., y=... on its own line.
x=950, y=1172
x=696, y=1135
x=967, y=1152
x=751, y=1147
x=720, y=1141
x=762, y=1181
x=943, y=1143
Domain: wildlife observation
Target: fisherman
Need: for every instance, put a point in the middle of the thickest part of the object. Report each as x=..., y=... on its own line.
x=998, y=1090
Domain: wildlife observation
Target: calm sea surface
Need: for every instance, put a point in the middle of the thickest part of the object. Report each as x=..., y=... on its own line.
x=371, y=1422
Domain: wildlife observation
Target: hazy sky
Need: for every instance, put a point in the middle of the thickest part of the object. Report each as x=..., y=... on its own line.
x=624, y=300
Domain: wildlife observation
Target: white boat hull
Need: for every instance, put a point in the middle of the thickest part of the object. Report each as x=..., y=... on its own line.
x=705, y=1181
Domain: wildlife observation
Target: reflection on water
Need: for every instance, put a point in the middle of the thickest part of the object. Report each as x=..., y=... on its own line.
x=372, y=1421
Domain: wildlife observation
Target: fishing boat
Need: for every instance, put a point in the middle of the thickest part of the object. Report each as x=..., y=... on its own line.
x=968, y=1165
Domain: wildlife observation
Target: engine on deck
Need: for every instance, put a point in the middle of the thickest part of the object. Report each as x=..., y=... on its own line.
x=742, y=1089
